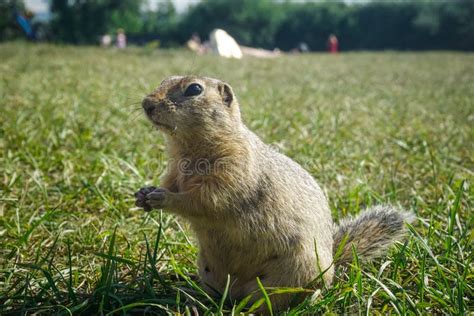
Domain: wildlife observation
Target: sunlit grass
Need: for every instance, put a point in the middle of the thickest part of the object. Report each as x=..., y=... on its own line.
x=371, y=127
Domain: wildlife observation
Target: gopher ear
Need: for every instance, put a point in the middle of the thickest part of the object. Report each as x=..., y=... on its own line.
x=226, y=93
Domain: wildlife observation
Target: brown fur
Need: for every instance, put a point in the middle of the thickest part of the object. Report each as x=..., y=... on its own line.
x=255, y=212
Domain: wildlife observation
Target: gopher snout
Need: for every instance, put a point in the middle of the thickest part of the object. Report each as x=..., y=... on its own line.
x=149, y=105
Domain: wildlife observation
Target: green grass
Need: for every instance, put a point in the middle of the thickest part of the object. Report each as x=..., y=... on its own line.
x=371, y=127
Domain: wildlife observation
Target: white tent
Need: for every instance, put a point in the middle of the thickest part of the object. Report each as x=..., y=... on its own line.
x=224, y=45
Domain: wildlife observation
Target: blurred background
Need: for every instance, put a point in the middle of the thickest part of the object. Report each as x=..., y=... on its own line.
x=283, y=25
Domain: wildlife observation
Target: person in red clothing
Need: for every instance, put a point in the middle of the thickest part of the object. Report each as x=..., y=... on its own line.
x=333, y=44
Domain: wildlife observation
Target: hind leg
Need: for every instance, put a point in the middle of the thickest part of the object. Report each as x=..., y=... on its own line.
x=288, y=272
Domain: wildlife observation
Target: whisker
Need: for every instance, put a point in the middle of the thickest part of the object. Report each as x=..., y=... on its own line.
x=137, y=102
x=134, y=118
x=138, y=94
x=135, y=110
x=133, y=105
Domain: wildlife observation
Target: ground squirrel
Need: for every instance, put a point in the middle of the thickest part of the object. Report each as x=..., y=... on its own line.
x=254, y=211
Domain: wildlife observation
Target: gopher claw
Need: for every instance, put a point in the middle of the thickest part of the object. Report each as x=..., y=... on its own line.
x=140, y=196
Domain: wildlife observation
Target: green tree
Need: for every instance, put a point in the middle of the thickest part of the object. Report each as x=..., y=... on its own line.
x=250, y=22
x=374, y=25
x=311, y=23
x=124, y=14
x=8, y=26
x=83, y=21
x=163, y=23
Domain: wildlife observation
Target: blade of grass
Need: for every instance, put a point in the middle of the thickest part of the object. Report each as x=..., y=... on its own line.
x=266, y=297
x=224, y=296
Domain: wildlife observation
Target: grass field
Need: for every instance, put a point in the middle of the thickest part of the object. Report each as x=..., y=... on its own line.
x=371, y=127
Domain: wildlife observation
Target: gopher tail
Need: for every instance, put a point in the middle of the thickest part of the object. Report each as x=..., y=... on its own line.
x=371, y=233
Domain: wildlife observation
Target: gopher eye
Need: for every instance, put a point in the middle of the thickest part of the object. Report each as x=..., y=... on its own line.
x=193, y=90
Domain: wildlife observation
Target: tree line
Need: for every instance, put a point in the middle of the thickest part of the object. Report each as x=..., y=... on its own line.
x=399, y=25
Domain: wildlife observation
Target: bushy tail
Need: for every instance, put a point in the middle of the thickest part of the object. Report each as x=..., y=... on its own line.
x=371, y=233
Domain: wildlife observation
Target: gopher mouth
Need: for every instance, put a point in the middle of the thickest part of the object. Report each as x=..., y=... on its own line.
x=164, y=126
x=154, y=117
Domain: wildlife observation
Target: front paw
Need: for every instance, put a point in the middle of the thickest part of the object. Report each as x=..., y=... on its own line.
x=158, y=198
x=140, y=196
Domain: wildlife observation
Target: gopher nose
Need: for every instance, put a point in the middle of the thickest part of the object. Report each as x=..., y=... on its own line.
x=148, y=105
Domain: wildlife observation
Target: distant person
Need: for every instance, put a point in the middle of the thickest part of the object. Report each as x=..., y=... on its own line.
x=303, y=47
x=333, y=44
x=105, y=40
x=25, y=23
x=195, y=44
x=195, y=37
x=121, y=39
